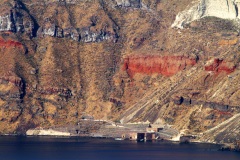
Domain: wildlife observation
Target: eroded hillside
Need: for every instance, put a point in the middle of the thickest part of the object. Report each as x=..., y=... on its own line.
x=117, y=60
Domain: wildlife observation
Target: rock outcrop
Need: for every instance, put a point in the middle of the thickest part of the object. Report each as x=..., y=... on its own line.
x=129, y=3
x=11, y=94
x=6, y=22
x=97, y=36
x=16, y=19
x=84, y=34
x=219, y=66
x=10, y=44
x=11, y=79
x=118, y=60
x=165, y=65
x=50, y=29
x=225, y=9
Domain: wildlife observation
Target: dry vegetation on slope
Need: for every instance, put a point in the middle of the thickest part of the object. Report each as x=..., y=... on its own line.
x=115, y=62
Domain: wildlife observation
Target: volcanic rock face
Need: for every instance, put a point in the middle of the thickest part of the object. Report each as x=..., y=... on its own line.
x=49, y=29
x=10, y=43
x=85, y=34
x=119, y=60
x=218, y=66
x=129, y=3
x=6, y=23
x=88, y=36
x=16, y=19
x=166, y=65
x=91, y=28
x=226, y=9
x=11, y=90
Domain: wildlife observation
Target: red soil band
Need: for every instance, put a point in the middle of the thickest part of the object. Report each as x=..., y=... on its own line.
x=10, y=44
x=219, y=66
x=164, y=65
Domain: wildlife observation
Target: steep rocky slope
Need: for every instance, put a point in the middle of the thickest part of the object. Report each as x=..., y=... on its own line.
x=119, y=60
x=225, y=9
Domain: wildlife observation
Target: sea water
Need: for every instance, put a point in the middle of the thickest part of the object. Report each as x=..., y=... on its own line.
x=53, y=148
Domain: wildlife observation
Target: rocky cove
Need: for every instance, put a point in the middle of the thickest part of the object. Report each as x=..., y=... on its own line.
x=140, y=132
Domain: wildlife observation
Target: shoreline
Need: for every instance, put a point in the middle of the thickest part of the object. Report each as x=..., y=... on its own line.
x=112, y=138
x=222, y=146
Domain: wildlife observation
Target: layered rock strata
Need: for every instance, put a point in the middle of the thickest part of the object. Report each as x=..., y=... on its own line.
x=165, y=65
x=67, y=61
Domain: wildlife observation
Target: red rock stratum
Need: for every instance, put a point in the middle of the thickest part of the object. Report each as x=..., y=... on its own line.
x=221, y=66
x=164, y=65
x=10, y=44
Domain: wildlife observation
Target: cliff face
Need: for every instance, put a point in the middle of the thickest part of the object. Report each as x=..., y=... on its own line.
x=117, y=60
x=15, y=19
x=225, y=9
x=166, y=65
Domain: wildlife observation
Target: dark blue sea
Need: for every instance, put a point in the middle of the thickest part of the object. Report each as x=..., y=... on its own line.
x=46, y=148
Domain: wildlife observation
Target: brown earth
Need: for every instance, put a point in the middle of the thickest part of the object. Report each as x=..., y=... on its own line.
x=61, y=61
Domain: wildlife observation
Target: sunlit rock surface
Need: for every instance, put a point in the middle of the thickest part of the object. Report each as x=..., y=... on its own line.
x=225, y=9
